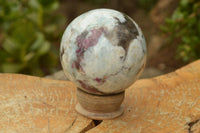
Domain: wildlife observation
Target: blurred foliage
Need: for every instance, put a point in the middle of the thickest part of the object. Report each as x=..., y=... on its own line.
x=97, y=2
x=184, y=29
x=28, y=30
x=147, y=4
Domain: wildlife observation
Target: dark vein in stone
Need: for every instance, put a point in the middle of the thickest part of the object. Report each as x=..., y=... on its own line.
x=126, y=32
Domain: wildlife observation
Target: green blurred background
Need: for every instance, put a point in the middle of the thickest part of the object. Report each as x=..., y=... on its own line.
x=31, y=30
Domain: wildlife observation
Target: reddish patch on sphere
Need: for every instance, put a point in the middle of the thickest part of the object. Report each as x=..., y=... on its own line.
x=99, y=80
x=84, y=43
x=88, y=87
x=93, y=39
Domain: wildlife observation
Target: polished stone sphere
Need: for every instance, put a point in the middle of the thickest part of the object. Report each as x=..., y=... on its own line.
x=103, y=51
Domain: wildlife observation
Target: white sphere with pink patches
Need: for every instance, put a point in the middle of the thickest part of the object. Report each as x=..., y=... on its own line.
x=103, y=51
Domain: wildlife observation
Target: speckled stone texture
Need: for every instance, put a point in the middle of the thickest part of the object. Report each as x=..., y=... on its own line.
x=103, y=51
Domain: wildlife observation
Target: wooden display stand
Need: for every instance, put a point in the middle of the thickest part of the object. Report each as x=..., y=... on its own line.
x=168, y=103
x=99, y=107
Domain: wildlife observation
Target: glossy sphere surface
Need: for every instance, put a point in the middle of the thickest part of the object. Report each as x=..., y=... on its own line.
x=103, y=51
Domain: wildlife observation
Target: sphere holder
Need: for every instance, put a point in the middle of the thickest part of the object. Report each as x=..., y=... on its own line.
x=99, y=107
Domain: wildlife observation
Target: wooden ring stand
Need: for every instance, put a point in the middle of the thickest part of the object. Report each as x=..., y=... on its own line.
x=99, y=107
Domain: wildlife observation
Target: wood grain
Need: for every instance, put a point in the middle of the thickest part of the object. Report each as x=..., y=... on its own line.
x=99, y=107
x=37, y=105
x=164, y=104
